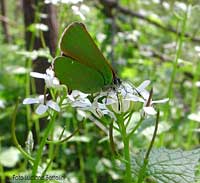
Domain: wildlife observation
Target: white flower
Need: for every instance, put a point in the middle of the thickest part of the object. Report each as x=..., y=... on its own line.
x=62, y=1
x=41, y=27
x=114, y=101
x=80, y=101
x=197, y=84
x=148, y=102
x=2, y=104
x=50, y=80
x=120, y=100
x=42, y=108
x=100, y=109
x=194, y=116
x=81, y=11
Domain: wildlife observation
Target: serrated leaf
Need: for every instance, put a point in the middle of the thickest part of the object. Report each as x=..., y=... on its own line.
x=168, y=166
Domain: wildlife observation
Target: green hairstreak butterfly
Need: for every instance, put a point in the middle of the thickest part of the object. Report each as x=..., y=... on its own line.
x=82, y=66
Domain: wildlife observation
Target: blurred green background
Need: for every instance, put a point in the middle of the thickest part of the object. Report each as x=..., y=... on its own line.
x=157, y=40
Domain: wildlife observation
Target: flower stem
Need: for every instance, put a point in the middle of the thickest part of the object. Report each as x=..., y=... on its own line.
x=42, y=144
x=191, y=138
x=154, y=136
x=13, y=126
x=55, y=147
x=81, y=159
x=180, y=41
x=2, y=177
x=127, y=159
x=142, y=172
x=125, y=139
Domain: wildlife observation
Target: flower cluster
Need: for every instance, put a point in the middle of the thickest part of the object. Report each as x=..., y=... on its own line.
x=110, y=102
x=51, y=82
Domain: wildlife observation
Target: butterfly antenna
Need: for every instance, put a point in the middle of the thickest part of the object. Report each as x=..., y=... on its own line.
x=138, y=92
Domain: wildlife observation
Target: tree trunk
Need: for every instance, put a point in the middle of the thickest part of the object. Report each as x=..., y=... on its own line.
x=34, y=43
x=4, y=23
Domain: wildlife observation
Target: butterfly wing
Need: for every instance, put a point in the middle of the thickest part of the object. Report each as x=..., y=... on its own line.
x=77, y=76
x=78, y=44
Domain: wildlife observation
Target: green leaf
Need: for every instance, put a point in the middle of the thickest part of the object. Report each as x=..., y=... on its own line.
x=168, y=166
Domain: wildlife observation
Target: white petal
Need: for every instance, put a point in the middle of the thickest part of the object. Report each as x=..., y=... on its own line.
x=41, y=27
x=142, y=86
x=76, y=93
x=102, y=106
x=64, y=102
x=55, y=81
x=122, y=107
x=83, y=103
x=108, y=101
x=2, y=105
x=50, y=72
x=71, y=98
x=41, y=109
x=116, y=108
x=97, y=112
x=9, y=157
x=41, y=99
x=134, y=98
x=103, y=94
x=81, y=114
x=111, y=94
x=126, y=88
x=49, y=82
x=197, y=83
x=31, y=101
x=37, y=75
x=53, y=105
x=109, y=113
x=194, y=117
x=144, y=94
x=160, y=101
x=125, y=105
x=150, y=110
x=77, y=96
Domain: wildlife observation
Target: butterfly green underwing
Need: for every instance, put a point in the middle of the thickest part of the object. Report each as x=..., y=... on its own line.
x=82, y=66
